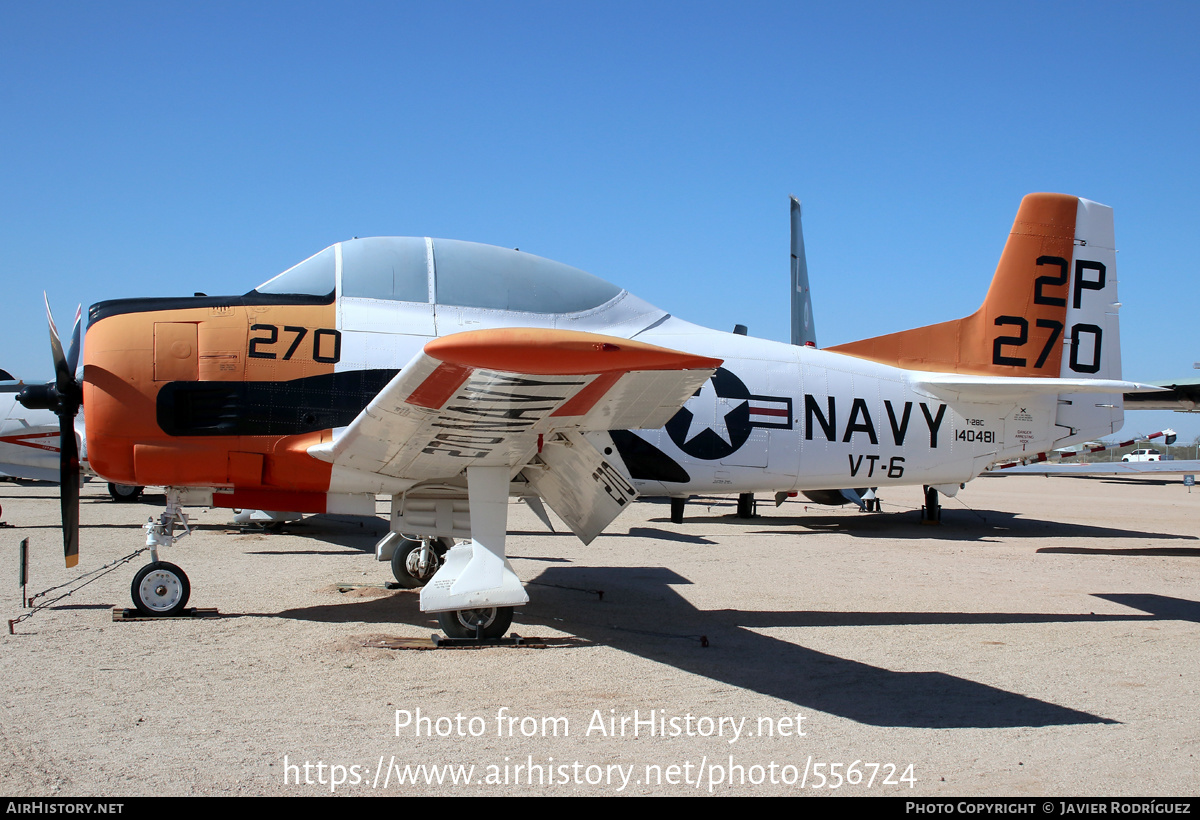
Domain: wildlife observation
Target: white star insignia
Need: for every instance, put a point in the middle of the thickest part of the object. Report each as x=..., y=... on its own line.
x=704, y=408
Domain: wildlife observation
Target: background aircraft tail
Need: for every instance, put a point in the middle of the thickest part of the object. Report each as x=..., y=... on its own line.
x=803, y=330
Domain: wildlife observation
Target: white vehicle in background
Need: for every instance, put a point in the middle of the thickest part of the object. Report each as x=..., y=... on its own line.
x=1142, y=455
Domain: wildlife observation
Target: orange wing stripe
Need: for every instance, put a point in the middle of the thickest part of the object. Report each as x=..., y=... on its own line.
x=440, y=385
x=586, y=399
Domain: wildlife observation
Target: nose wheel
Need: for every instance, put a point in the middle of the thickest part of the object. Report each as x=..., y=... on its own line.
x=160, y=589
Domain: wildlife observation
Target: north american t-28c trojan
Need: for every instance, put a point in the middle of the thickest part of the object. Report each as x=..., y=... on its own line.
x=454, y=376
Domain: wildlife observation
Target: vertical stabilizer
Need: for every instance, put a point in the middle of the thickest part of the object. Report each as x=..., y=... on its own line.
x=803, y=331
x=1050, y=310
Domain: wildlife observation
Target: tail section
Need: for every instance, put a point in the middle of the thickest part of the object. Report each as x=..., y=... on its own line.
x=803, y=330
x=1050, y=310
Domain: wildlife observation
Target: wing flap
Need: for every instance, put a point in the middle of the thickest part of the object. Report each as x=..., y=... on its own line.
x=580, y=485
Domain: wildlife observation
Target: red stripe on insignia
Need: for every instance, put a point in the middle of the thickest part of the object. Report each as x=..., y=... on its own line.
x=439, y=385
x=768, y=411
x=585, y=399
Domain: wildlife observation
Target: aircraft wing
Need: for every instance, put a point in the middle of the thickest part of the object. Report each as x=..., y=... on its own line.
x=501, y=397
x=1182, y=396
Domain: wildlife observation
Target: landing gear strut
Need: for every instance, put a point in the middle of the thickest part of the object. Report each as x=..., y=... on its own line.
x=160, y=588
x=476, y=589
x=677, y=505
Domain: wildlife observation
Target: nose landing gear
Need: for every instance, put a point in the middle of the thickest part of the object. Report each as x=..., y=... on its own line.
x=160, y=589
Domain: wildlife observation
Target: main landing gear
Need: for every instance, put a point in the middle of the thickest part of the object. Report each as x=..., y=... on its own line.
x=159, y=588
x=931, y=513
x=487, y=622
x=416, y=560
x=470, y=586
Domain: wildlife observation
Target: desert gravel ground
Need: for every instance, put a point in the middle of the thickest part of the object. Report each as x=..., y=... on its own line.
x=1043, y=641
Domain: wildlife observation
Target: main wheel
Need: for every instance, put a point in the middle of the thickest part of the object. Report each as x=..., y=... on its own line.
x=160, y=589
x=932, y=511
x=124, y=493
x=406, y=563
x=460, y=623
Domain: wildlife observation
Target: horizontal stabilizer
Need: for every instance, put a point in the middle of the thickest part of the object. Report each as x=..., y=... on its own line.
x=1000, y=388
x=1128, y=468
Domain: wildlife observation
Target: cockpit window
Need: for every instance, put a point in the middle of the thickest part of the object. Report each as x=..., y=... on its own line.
x=484, y=276
x=386, y=267
x=312, y=277
x=466, y=274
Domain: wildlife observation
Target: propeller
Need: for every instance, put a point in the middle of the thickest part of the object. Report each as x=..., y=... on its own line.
x=63, y=396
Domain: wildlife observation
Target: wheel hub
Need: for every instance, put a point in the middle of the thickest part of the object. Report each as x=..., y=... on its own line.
x=472, y=618
x=413, y=565
x=161, y=591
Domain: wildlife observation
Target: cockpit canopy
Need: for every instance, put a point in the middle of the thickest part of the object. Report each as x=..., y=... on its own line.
x=445, y=272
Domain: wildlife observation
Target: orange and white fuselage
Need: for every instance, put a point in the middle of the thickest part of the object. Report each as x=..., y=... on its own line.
x=248, y=395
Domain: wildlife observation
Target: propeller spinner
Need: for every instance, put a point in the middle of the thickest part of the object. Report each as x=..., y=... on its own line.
x=63, y=396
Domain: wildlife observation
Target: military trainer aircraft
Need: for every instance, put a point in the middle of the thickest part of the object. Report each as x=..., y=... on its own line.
x=453, y=376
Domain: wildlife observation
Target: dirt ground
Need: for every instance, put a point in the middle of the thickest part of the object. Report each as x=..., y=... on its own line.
x=1041, y=642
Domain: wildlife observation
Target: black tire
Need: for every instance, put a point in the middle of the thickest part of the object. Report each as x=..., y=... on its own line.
x=124, y=493
x=404, y=562
x=460, y=623
x=160, y=589
x=932, y=511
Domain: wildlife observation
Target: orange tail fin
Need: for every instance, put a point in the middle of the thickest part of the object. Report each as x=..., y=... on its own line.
x=1034, y=321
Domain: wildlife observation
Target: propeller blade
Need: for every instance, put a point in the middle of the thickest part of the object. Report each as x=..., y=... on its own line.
x=62, y=373
x=73, y=350
x=66, y=404
x=68, y=470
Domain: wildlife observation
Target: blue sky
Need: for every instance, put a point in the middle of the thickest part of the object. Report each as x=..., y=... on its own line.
x=166, y=148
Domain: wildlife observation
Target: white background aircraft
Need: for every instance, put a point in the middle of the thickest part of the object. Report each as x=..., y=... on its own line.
x=28, y=438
